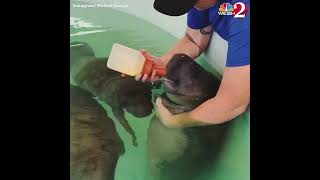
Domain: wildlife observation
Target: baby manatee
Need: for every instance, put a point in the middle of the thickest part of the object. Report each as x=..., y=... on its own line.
x=91, y=73
x=185, y=153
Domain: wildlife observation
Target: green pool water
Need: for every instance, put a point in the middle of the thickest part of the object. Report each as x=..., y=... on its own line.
x=100, y=28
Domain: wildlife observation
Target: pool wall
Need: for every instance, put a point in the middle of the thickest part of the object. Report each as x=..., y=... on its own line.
x=176, y=26
x=234, y=163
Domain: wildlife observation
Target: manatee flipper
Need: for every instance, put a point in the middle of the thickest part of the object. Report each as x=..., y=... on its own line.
x=119, y=114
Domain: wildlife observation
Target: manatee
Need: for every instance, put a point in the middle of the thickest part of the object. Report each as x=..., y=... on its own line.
x=95, y=145
x=120, y=93
x=185, y=153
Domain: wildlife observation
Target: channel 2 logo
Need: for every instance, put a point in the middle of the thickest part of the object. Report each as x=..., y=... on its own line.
x=238, y=10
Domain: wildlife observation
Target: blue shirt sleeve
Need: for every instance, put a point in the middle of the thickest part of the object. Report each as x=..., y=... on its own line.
x=197, y=19
x=239, y=43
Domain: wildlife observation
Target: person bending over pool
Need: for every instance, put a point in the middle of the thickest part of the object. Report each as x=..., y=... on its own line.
x=233, y=96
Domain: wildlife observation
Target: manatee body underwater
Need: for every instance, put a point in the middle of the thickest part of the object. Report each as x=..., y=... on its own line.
x=185, y=153
x=95, y=145
x=91, y=73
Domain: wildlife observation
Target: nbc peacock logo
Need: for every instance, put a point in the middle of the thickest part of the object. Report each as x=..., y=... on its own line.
x=238, y=10
x=226, y=8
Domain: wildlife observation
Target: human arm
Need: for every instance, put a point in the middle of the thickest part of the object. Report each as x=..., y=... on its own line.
x=193, y=43
x=231, y=100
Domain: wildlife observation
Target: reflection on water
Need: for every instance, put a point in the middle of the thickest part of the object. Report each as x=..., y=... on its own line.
x=102, y=27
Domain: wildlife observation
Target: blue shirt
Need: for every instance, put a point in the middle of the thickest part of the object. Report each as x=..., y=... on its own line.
x=235, y=31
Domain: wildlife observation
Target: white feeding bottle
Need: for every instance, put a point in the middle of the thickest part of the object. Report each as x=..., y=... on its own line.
x=131, y=62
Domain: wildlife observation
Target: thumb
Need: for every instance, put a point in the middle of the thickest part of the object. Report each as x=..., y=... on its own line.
x=159, y=101
x=148, y=56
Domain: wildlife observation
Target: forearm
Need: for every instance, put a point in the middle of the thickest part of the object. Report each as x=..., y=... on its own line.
x=216, y=111
x=184, y=46
x=213, y=111
x=193, y=43
x=231, y=100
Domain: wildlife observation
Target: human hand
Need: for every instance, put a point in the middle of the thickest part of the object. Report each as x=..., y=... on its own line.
x=157, y=61
x=167, y=118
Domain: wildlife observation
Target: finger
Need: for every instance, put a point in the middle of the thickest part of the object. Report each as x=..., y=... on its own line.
x=158, y=101
x=156, y=78
x=153, y=75
x=143, y=51
x=158, y=108
x=147, y=55
x=138, y=77
x=162, y=111
x=144, y=78
x=161, y=107
x=159, y=104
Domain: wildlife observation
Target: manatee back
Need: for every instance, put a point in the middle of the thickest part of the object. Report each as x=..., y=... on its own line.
x=95, y=145
x=91, y=73
x=79, y=50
